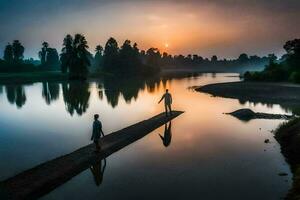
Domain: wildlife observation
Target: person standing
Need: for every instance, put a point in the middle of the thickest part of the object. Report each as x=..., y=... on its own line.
x=97, y=132
x=168, y=101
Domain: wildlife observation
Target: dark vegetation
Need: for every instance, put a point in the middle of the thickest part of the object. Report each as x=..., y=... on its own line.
x=13, y=59
x=288, y=69
x=288, y=135
x=77, y=62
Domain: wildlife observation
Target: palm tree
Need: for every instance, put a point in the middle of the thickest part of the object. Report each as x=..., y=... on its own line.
x=18, y=51
x=43, y=53
x=99, y=49
x=66, y=54
x=8, y=53
x=75, y=56
x=110, y=57
x=98, y=56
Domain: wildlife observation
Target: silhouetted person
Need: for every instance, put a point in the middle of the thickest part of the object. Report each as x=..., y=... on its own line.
x=167, y=135
x=98, y=171
x=168, y=101
x=97, y=132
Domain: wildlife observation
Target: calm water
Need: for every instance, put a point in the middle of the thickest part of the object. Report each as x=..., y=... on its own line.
x=208, y=155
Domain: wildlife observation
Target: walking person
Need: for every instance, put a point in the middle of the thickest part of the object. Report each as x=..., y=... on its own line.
x=168, y=101
x=97, y=132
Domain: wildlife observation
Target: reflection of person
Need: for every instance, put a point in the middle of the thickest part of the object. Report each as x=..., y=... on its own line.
x=167, y=135
x=97, y=131
x=98, y=171
x=168, y=101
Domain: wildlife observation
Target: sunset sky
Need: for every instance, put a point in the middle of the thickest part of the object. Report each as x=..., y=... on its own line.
x=205, y=27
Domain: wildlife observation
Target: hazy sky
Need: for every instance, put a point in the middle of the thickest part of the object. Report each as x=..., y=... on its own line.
x=205, y=27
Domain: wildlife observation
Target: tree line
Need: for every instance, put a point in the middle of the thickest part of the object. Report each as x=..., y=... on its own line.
x=76, y=59
x=288, y=69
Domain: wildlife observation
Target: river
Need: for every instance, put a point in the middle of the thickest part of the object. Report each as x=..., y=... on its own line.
x=202, y=154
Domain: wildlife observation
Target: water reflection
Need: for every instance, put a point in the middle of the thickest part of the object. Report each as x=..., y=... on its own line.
x=76, y=96
x=127, y=88
x=166, y=139
x=50, y=92
x=287, y=107
x=97, y=170
x=213, y=140
x=15, y=95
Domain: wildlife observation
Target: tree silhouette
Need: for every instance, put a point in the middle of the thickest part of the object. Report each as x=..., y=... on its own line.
x=110, y=57
x=293, y=60
x=243, y=58
x=129, y=58
x=49, y=56
x=66, y=54
x=292, y=47
x=153, y=56
x=214, y=59
x=8, y=53
x=43, y=53
x=18, y=51
x=52, y=58
x=75, y=56
x=99, y=56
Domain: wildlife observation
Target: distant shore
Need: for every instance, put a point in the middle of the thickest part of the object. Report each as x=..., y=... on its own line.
x=42, y=76
x=257, y=92
x=31, y=77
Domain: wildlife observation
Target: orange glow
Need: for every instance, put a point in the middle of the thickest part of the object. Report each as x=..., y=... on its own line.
x=198, y=28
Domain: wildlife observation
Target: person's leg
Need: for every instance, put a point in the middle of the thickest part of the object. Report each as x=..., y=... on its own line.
x=166, y=108
x=170, y=109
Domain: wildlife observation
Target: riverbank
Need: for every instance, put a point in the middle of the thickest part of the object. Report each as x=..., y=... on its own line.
x=48, y=76
x=285, y=94
x=288, y=136
x=28, y=77
x=31, y=77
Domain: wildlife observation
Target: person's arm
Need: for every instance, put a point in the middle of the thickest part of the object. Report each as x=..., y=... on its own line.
x=93, y=131
x=171, y=100
x=161, y=98
x=101, y=132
